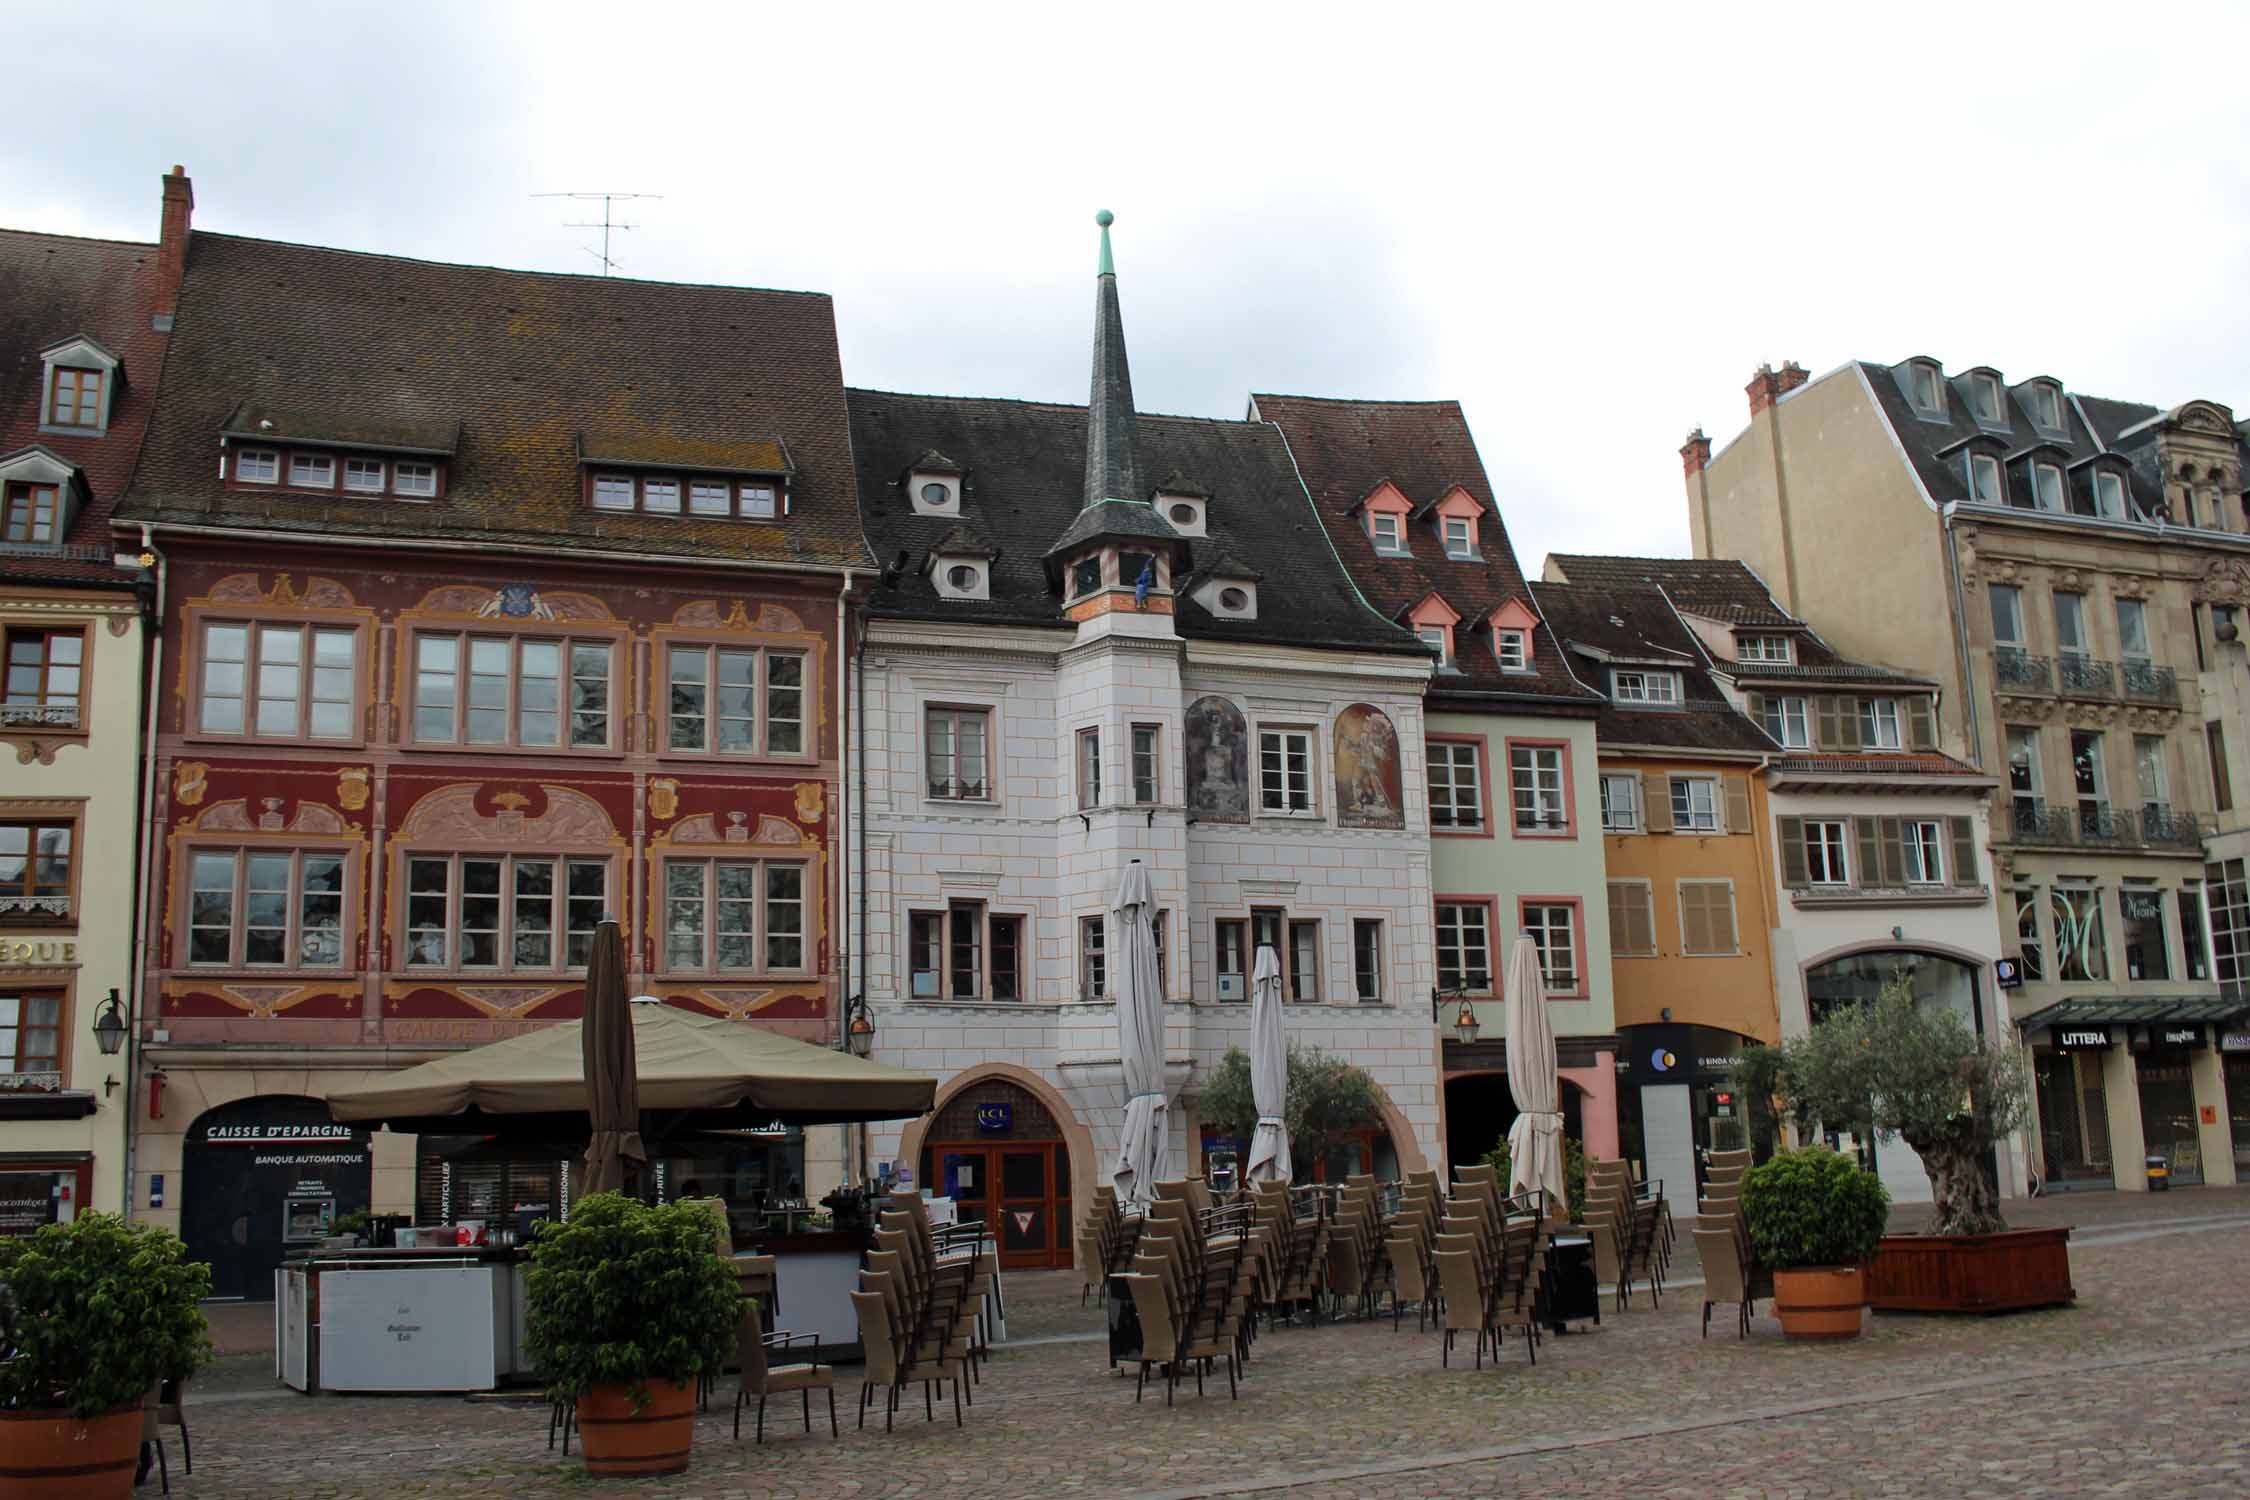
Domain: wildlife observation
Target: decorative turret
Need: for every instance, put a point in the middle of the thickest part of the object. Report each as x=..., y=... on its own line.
x=1119, y=554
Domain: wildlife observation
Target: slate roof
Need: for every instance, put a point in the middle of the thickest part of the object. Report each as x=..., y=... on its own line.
x=55, y=287
x=1024, y=483
x=1344, y=449
x=1934, y=445
x=1602, y=620
x=523, y=363
x=1728, y=591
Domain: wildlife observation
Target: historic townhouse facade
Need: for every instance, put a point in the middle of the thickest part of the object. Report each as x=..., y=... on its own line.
x=1509, y=744
x=1687, y=860
x=2066, y=568
x=492, y=602
x=83, y=328
x=1100, y=637
x=1878, y=850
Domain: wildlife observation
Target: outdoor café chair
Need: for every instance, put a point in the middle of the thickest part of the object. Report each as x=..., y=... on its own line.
x=762, y=1379
x=161, y=1409
x=1466, y=1305
x=1160, y=1331
x=1724, y=1278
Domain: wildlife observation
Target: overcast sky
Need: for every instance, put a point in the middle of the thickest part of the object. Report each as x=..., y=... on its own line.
x=1591, y=233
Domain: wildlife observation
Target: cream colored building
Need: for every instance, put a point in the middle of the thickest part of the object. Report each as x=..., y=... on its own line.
x=2058, y=564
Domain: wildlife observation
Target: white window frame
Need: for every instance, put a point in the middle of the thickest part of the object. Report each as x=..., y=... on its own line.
x=505, y=932
x=464, y=674
x=1761, y=648
x=1831, y=837
x=1459, y=782
x=2043, y=478
x=1461, y=544
x=1923, y=387
x=1792, y=731
x=1653, y=686
x=1995, y=593
x=312, y=684
x=364, y=467
x=2075, y=612
x=2109, y=495
x=2137, y=610
x=1986, y=485
x=1922, y=850
x=1086, y=765
x=1093, y=957
x=1362, y=950
x=414, y=479
x=1452, y=933
x=1881, y=725
x=761, y=906
x=300, y=462
x=765, y=693
x=266, y=460
x=1385, y=530
x=1625, y=816
x=1548, y=771
x=1148, y=757
x=1707, y=818
x=2045, y=406
x=1438, y=639
x=1515, y=649
x=1994, y=406
x=1540, y=922
x=1281, y=738
x=955, y=716
x=237, y=924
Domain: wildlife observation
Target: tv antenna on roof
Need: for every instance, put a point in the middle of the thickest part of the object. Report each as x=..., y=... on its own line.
x=607, y=224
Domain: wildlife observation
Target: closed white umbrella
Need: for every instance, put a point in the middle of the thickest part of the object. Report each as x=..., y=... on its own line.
x=1269, y=1072
x=1535, y=1141
x=1144, y=1154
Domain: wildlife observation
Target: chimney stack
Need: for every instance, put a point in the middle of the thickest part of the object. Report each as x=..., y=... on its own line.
x=1769, y=385
x=1695, y=453
x=172, y=245
x=1792, y=375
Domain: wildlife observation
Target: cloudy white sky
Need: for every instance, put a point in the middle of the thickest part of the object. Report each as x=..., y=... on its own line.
x=1590, y=231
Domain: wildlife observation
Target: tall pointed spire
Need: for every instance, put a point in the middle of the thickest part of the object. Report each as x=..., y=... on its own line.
x=1109, y=407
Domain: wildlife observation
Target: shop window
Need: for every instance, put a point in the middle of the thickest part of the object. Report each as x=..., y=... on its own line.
x=728, y=700
x=2081, y=952
x=35, y=870
x=265, y=908
x=955, y=744
x=1456, y=785
x=469, y=912
x=30, y=1031
x=1464, y=946
x=734, y=916
x=2142, y=907
x=1367, y=960
x=505, y=690
x=279, y=681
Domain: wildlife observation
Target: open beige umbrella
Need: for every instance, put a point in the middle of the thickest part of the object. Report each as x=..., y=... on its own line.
x=1535, y=1141
x=694, y=1072
x=613, y=1102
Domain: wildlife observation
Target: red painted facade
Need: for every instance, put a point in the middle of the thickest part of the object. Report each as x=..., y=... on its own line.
x=561, y=834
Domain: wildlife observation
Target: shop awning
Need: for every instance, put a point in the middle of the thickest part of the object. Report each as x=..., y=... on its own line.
x=696, y=1072
x=2137, y=1010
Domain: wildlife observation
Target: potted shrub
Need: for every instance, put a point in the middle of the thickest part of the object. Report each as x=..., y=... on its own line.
x=94, y=1314
x=1920, y=1073
x=1815, y=1217
x=629, y=1305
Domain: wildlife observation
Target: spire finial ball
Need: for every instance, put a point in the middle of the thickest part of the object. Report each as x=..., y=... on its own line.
x=1105, y=218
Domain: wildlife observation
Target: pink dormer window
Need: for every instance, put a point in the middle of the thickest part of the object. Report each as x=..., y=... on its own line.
x=1384, y=515
x=1512, y=625
x=1433, y=620
x=1458, y=513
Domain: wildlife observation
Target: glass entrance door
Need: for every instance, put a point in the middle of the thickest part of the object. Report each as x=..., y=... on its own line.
x=965, y=1176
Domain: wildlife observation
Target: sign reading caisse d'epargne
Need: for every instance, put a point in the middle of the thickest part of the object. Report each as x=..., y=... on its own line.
x=261, y=1133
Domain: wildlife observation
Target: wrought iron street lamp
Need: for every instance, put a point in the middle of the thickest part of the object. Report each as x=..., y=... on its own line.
x=109, y=1027
x=859, y=1029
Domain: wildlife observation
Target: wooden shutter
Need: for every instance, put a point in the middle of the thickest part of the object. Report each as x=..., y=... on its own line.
x=1719, y=916
x=1827, y=733
x=1847, y=719
x=1867, y=868
x=1964, y=850
x=1793, y=852
x=1632, y=926
x=1921, y=723
x=1656, y=802
x=1706, y=917
x=1892, y=838
x=1737, y=789
x=1695, y=932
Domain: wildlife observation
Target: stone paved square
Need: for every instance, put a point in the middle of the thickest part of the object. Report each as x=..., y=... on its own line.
x=2142, y=1388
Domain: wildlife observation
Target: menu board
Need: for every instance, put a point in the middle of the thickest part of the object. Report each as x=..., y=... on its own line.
x=27, y=1200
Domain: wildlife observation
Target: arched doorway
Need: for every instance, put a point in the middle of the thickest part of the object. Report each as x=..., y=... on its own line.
x=263, y=1176
x=999, y=1154
x=1479, y=1108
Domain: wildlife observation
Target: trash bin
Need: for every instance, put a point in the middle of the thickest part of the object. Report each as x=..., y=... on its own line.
x=2159, y=1174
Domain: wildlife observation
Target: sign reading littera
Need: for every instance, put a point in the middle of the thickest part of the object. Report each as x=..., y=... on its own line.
x=2082, y=1038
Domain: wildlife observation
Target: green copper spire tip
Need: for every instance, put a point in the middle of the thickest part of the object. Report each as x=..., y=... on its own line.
x=1105, y=218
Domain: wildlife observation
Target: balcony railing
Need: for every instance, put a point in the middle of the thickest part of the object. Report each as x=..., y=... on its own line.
x=2146, y=682
x=2084, y=677
x=2100, y=825
x=2169, y=828
x=34, y=906
x=2034, y=822
x=39, y=715
x=34, y=1081
x=2020, y=671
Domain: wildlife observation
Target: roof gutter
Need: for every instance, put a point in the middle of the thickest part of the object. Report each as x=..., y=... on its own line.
x=429, y=544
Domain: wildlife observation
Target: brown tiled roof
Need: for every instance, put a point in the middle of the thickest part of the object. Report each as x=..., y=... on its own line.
x=1599, y=623
x=54, y=287
x=524, y=363
x=1344, y=449
x=353, y=429
x=1718, y=588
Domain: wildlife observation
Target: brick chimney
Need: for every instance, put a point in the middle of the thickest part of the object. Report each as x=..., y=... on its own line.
x=1792, y=375
x=1764, y=389
x=1695, y=453
x=172, y=244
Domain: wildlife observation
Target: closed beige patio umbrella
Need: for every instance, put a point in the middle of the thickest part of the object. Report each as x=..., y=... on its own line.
x=1535, y=1140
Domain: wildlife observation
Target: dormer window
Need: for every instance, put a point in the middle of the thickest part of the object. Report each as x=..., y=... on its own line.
x=1460, y=538
x=935, y=494
x=1515, y=650
x=1763, y=648
x=2044, y=403
x=1184, y=503
x=74, y=398
x=758, y=502
x=1984, y=396
x=1440, y=640
x=312, y=471
x=613, y=492
x=1186, y=516
x=695, y=496
x=1922, y=386
x=257, y=466
x=415, y=480
x=1383, y=529
x=2047, y=486
x=933, y=485
x=964, y=579
x=1238, y=600
x=29, y=514
x=1633, y=685
x=2109, y=495
x=363, y=476
x=1984, y=479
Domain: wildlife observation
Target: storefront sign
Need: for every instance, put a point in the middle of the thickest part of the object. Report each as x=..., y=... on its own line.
x=50, y=951
x=2234, y=1041
x=996, y=1119
x=268, y=1134
x=2081, y=1038
x=458, y=1031
x=2176, y=1035
x=1678, y=1053
x=2007, y=973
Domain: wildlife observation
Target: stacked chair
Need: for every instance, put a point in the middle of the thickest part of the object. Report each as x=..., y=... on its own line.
x=1631, y=1229
x=1359, y=1262
x=1297, y=1225
x=1410, y=1248
x=1490, y=1249
x=1731, y=1272
x=1196, y=1273
x=924, y=1306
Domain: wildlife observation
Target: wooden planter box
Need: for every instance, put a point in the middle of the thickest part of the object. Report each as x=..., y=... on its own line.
x=1979, y=1273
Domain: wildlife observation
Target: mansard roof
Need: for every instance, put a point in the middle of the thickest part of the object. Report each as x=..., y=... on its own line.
x=1635, y=626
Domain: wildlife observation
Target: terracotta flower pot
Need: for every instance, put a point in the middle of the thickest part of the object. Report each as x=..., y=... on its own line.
x=654, y=1440
x=1820, y=1302
x=50, y=1455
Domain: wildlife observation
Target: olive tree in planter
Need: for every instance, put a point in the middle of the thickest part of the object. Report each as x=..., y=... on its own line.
x=630, y=1305
x=94, y=1315
x=1328, y=1102
x=1815, y=1217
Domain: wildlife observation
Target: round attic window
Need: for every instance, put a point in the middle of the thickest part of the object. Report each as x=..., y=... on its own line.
x=1234, y=598
x=935, y=493
x=962, y=577
x=1184, y=513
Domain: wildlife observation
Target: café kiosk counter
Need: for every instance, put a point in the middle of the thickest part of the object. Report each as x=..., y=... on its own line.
x=445, y=1317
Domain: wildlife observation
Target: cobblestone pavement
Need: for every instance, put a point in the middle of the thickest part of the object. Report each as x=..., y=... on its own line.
x=2142, y=1388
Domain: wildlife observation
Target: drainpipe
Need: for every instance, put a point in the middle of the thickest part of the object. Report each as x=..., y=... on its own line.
x=144, y=905
x=842, y=951
x=1961, y=637
x=859, y=803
